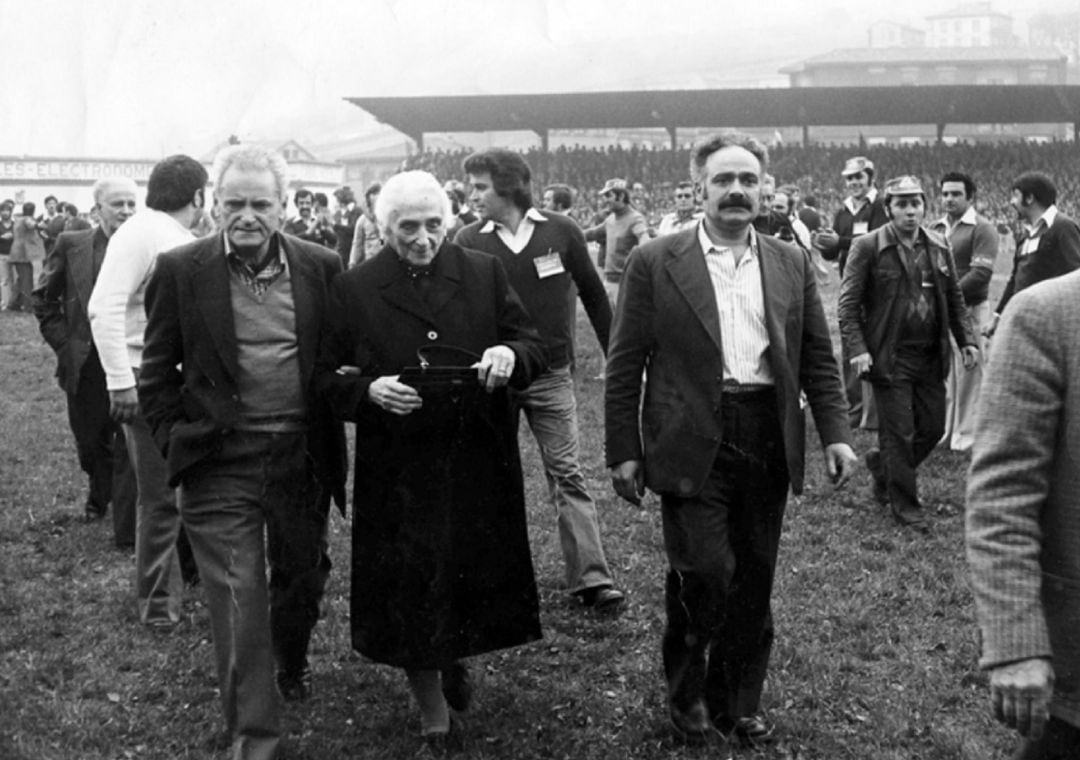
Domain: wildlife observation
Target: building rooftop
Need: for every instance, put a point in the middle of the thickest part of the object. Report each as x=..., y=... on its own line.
x=995, y=54
x=968, y=10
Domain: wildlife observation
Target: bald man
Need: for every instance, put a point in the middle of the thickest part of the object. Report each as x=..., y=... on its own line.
x=60, y=304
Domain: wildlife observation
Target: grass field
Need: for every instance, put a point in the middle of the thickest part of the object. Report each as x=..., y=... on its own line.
x=875, y=656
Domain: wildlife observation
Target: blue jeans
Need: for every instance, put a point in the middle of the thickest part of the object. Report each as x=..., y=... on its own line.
x=551, y=410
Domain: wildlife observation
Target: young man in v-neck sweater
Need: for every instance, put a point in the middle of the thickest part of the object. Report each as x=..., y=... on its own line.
x=548, y=264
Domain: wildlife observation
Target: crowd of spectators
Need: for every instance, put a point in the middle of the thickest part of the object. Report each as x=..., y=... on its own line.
x=814, y=169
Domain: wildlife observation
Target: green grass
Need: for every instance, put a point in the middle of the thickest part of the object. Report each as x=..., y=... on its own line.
x=875, y=653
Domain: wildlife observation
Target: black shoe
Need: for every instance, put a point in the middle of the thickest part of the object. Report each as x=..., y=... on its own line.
x=93, y=512
x=692, y=726
x=602, y=598
x=873, y=464
x=754, y=731
x=457, y=686
x=294, y=685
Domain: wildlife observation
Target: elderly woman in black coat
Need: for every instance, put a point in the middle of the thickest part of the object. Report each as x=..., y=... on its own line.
x=441, y=567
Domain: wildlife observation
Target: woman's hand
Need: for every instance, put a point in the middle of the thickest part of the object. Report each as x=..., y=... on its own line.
x=495, y=367
x=395, y=397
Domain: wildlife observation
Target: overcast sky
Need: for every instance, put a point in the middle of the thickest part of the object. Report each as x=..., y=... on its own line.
x=145, y=78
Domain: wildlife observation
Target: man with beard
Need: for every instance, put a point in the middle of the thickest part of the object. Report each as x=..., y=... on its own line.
x=718, y=332
x=899, y=300
x=1050, y=244
x=60, y=304
x=233, y=326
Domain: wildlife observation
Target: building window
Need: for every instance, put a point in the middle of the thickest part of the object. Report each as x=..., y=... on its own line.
x=946, y=74
x=909, y=74
x=876, y=70
x=1038, y=74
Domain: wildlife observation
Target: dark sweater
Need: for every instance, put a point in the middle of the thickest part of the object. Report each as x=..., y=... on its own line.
x=550, y=301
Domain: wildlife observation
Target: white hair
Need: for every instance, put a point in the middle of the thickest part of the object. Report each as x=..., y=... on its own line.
x=255, y=157
x=105, y=184
x=409, y=187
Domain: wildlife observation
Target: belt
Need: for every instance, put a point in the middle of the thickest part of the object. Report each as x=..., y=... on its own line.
x=740, y=388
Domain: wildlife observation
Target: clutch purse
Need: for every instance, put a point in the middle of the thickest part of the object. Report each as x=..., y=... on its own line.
x=441, y=368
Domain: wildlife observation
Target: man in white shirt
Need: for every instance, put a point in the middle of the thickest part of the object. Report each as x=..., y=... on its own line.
x=175, y=199
x=702, y=406
x=685, y=214
x=974, y=243
x=549, y=268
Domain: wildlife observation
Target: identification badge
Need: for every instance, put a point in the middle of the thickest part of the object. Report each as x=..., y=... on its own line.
x=548, y=265
x=860, y=228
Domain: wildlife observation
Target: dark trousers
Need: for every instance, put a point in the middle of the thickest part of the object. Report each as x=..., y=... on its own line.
x=21, y=284
x=911, y=421
x=99, y=441
x=1060, y=741
x=721, y=546
x=257, y=503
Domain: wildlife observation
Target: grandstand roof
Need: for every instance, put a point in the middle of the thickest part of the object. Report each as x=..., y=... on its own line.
x=769, y=107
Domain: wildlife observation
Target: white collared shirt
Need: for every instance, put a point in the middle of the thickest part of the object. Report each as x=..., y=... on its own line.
x=517, y=240
x=967, y=218
x=1036, y=230
x=871, y=196
x=740, y=302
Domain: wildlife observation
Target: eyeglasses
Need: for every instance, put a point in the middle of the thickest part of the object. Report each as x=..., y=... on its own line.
x=683, y=195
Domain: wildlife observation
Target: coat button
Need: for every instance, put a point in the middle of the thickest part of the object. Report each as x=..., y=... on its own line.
x=432, y=335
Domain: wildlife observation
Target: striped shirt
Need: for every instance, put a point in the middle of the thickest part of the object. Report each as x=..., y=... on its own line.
x=741, y=304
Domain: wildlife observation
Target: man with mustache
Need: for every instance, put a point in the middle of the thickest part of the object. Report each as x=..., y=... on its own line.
x=256, y=454
x=974, y=243
x=718, y=331
x=899, y=300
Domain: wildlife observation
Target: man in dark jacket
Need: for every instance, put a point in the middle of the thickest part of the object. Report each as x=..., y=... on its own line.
x=860, y=213
x=253, y=449
x=899, y=300
x=60, y=303
x=1050, y=244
